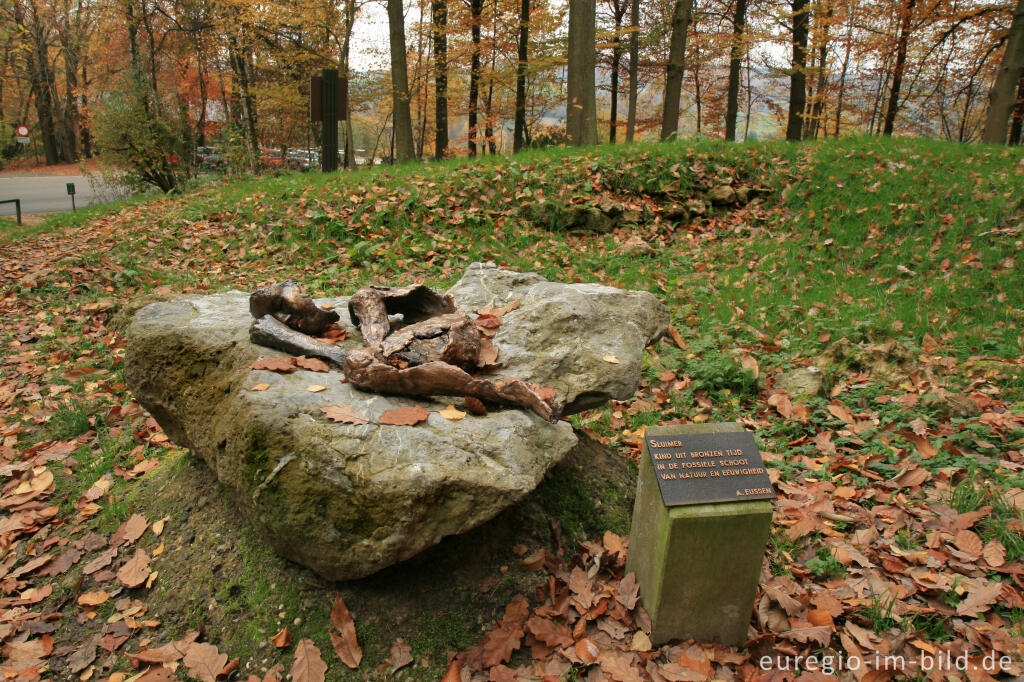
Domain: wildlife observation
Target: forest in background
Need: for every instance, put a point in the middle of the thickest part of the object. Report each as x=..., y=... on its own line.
x=150, y=80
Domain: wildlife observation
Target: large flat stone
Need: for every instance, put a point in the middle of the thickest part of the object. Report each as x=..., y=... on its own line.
x=345, y=500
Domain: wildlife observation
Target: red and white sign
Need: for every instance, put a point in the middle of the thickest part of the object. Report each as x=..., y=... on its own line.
x=22, y=131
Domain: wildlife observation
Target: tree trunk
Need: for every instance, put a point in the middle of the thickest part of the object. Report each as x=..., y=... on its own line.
x=520, y=116
x=901, y=61
x=842, y=76
x=1018, y=114
x=1001, y=97
x=581, y=101
x=399, y=82
x=619, y=9
x=439, y=15
x=817, y=116
x=346, y=49
x=634, y=56
x=240, y=67
x=476, y=8
x=37, y=66
x=676, y=65
x=85, y=134
x=798, y=71
x=732, y=105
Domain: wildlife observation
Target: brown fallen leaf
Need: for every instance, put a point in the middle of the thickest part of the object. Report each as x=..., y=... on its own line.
x=979, y=599
x=93, y=598
x=454, y=672
x=451, y=414
x=676, y=338
x=610, y=359
x=344, y=415
x=628, y=591
x=969, y=543
x=312, y=364
x=282, y=639
x=586, y=650
x=995, y=554
x=275, y=364
x=260, y=387
x=475, y=406
x=401, y=655
x=346, y=646
x=747, y=361
x=840, y=411
x=101, y=561
x=500, y=642
x=499, y=311
x=308, y=665
x=488, y=356
x=205, y=661
x=135, y=570
x=129, y=531
x=404, y=416
x=316, y=388
x=158, y=525
x=556, y=635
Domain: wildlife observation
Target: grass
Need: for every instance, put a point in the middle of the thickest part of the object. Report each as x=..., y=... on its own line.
x=867, y=239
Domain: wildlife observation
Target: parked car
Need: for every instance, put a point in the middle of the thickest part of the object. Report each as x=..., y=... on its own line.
x=303, y=159
x=271, y=158
x=209, y=158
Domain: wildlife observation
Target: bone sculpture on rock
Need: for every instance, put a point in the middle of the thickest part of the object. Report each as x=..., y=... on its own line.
x=415, y=342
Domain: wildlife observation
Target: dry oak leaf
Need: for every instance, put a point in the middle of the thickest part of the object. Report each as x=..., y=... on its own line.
x=345, y=415
x=401, y=655
x=101, y=561
x=345, y=646
x=129, y=531
x=451, y=414
x=628, y=591
x=475, y=406
x=980, y=599
x=618, y=666
x=93, y=598
x=409, y=415
x=282, y=639
x=135, y=570
x=500, y=642
x=969, y=543
x=274, y=364
x=205, y=661
x=586, y=650
x=499, y=311
x=614, y=544
x=553, y=634
x=308, y=665
x=995, y=554
x=312, y=364
x=582, y=588
x=821, y=634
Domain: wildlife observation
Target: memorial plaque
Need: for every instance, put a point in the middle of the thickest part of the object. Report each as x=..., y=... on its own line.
x=708, y=468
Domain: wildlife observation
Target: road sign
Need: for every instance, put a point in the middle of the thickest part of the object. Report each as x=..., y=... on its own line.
x=22, y=131
x=24, y=140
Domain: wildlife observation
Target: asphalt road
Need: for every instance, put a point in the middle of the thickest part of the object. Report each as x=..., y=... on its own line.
x=44, y=193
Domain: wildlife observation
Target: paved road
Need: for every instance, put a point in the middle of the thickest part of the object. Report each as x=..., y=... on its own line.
x=44, y=193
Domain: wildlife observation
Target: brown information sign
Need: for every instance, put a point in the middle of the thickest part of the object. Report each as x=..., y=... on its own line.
x=708, y=468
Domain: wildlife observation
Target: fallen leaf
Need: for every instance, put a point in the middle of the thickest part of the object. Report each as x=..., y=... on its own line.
x=979, y=599
x=129, y=531
x=500, y=642
x=475, y=406
x=260, y=387
x=346, y=646
x=135, y=570
x=676, y=338
x=586, y=650
x=275, y=364
x=401, y=655
x=628, y=591
x=611, y=358
x=840, y=411
x=344, y=414
x=409, y=415
x=555, y=635
x=93, y=598
x=316, y=388
x=282, y=639
x=312, y=364
x=995, y=554
x=158, y=525
x=747, y=361
x=451, y=414
x=308, y=665
x=204, y=661
x=640, y=641
x=968, y=542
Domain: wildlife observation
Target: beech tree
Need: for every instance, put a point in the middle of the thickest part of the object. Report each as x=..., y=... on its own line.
x=401, y=116
x=681, y=12
x=798, y=71
x=581, y=102
x=1002, y=98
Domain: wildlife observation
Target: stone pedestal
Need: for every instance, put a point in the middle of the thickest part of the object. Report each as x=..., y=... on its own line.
x=698, y=566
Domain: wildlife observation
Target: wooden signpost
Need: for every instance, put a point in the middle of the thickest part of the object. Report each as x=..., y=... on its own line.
x=699, y=531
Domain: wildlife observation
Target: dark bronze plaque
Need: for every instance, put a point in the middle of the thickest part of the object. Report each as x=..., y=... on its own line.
x=708, y=467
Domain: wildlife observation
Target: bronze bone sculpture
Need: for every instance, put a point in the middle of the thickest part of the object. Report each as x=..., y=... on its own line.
x=436, y=343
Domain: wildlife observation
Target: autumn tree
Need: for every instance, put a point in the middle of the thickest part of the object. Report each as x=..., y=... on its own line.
x=402, y=119
x=681, y=12
x=581, y=102
x=1002, y=97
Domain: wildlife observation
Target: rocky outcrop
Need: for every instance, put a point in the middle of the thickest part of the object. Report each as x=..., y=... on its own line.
x=349, y=499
